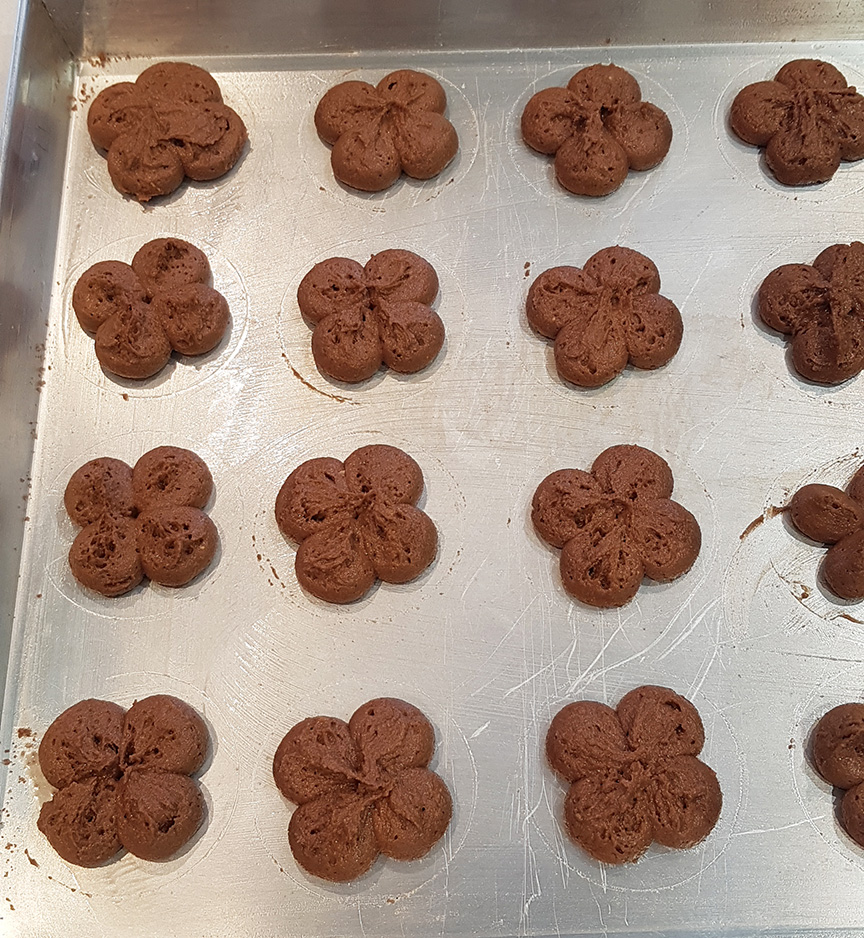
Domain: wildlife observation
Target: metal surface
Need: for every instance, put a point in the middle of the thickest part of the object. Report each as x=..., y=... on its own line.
x=486, y=642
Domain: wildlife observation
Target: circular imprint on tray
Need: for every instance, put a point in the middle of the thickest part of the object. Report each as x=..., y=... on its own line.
x=218, y=780
x=295, y=334
x=773, y=584
x=538, y=170
x=405, y=193
x=183, y=372
x=388, y=879
x=441, y=500
x=748, y=162
x=660, y=867
x=148, y=600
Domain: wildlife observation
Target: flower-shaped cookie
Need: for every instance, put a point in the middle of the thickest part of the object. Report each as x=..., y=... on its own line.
x=807, y=118
x=139, y=313
x=822, y=309
x=356, y=522
x=831, y=516
x=598, y=128
x=838, y=754
x=139, y=522
x=605, y=315
x=634, y=774
x=615, y=524
x=362, y=788
x=380, y=131
x=364, y=316
x=169, y=123
x=123, y=779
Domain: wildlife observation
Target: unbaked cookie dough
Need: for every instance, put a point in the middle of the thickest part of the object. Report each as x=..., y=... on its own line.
x=362, y=788
x=123, y=779
x=380, y=131
x=838, y=754
x=633, y=773
x=168, y=124
x=821, y=309
x=598, y=128
x=356, y=522
x=831, y=516
x=807, y=119
x=368, y=316
x=139, y=314
x=139, y=522
x=615, y=525
x=604, y=315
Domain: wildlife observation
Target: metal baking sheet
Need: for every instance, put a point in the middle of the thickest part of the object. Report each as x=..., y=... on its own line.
x=486, y=642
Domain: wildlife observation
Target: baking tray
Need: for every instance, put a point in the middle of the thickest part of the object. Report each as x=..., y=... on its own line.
x=486, y=642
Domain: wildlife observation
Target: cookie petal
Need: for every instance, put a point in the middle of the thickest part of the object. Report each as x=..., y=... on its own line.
x=667, y=537
x=791, y=294
x=686, y=801
x=413, y=90
x=84, y=740
x=758, y=111
x=624, y=271
x=400, y=541
x=633, y=473
x=366, y=159
x=803, y=154
x=194, y=317
x=164, y=734
x=315, y=756
x=843, y=567
x=412, y=335
x=658, y=721
x=104, y=289
x=314, y=494
x=171, y=475
x=600, y=568
x=157, y=812
x=390, y=473
x=563, y=504
x=118, y=109
x=164, y=264
x=346, y=107
x=414, y=816
x=142, y=165
x=607, y=815
x=852, y=813
x=605, y=86
x=643, y=132
x=176, y=544
x=848, y=110
x=179, y=81
x=332, y=286
x=203, y=161
x=332, y=837
x=346, y=346
x=838, y=745
x=653, y=331
x=550, y=117
x=425, y=141
x=585, y=738
x=591, y=161
x=100, y=485
x=830, y=349
x=398, y=275
x=811, y=73
x=332, y=565
x=842, y=265
x=561, y=295
x=132, y=343
x=80, y=821
x=391, y=736
x=104, y=556
x=590, y=354
x=825, y=513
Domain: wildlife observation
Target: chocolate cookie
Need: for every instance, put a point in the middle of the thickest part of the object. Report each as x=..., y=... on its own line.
x=615, y=525
x=822, y=309
x=605, y=315
x=141, y=522
x=362, y=788
x=123, y=779
x=838, y=755
x=368, y=316
x=831, y=516
x=356, y=522
x=633, y=773
x=140, y=313
x=168, y=124
x=807, y=118
x=598, y=128
x=380, y=131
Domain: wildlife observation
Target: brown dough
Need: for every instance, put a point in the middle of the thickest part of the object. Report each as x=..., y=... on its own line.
x=168, y=124
x=123, y=783
x=356, y=522
x=100, y=485
x=807, y=118
x=598, y=128
x=366, y=316
x=379, y=132
x=604, y=316
x=838, y=754
x=615, y=525
x=634, y=776
x=362, y=788
x=171, y=475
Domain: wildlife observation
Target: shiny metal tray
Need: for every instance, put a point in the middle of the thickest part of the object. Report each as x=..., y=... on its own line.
x=486, y=642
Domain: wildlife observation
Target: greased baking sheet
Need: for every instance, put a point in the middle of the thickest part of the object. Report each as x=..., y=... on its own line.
x=486, y=642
